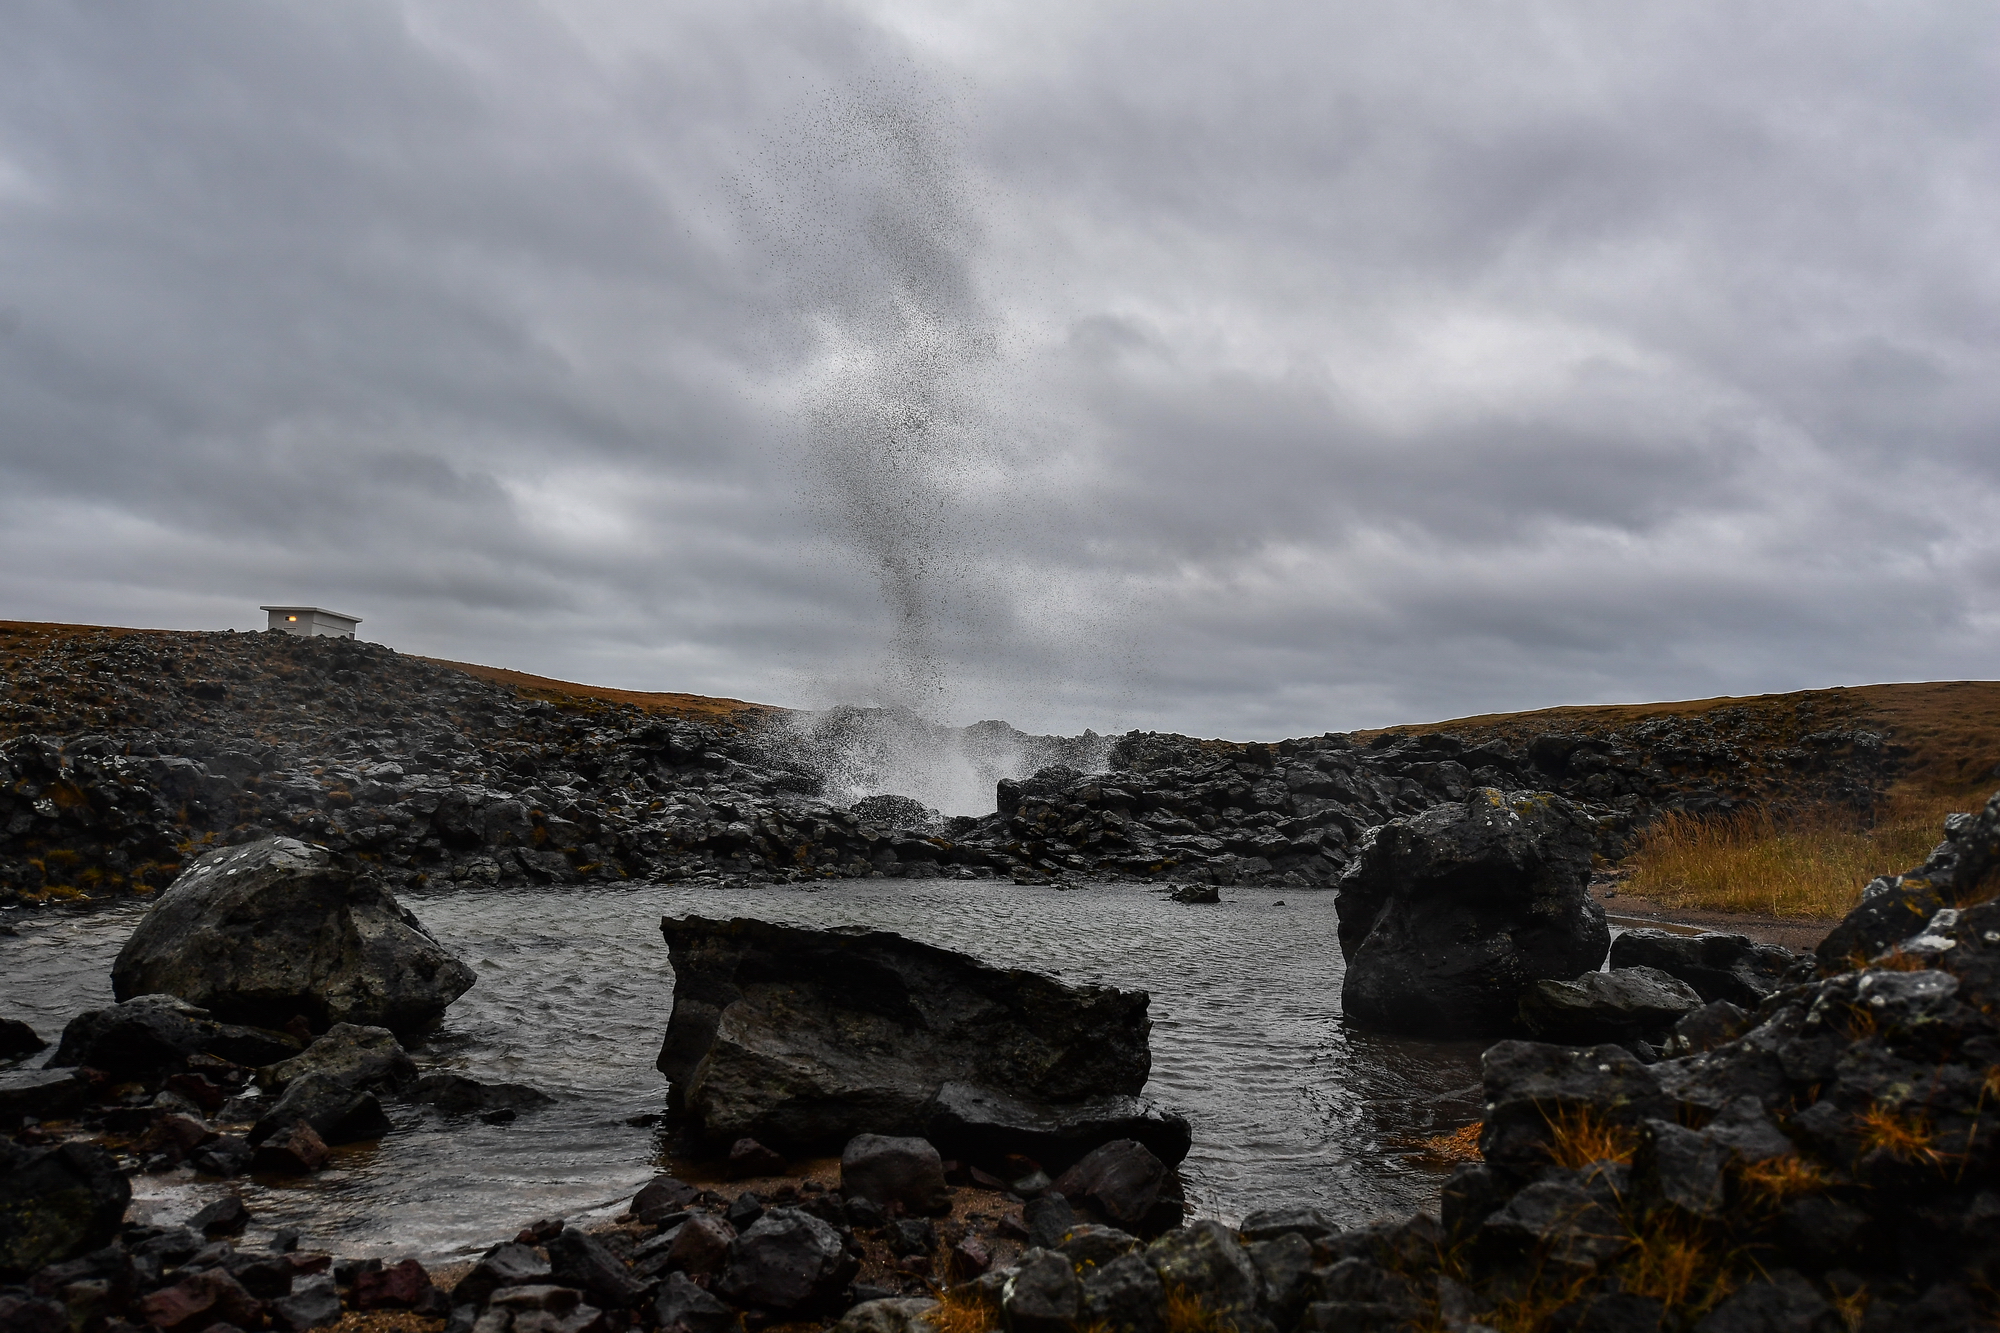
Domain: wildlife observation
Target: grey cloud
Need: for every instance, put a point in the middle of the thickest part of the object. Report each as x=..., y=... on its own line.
x=1286, y=367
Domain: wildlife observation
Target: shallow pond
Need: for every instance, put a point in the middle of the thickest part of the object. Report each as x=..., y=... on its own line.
x=1288, y=1104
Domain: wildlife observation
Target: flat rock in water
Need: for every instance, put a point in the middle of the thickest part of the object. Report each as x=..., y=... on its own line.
x=18, y=1039
x=980, y=1123
x=271, y=930
x=1619, y=1005
x=804, y=1038
x=455, y=1094
x=1446, y=915
x=349, y=1054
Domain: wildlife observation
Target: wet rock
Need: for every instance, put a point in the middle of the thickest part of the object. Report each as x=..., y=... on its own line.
x=402, y=1286
x=268, y=930
x=224, y=1155
x=1529, y=1085
x=890, y=1171
x=1447, y=915
x=1125, y=1296
x=1719, y=966
x=337, y=1113
x=661, y=1197
x=1567, y=1218
x=210, y=1297
x=22, y=1313
x=1620, y=1005
x=56, y=1203
x=1127, y=1185
x=744, y=1210
x=982, y=1124
x=510, y=1264
x=578, y=1259
x=545, y=1309
x=1043, y=1295
x=1196, y=893
x=366, y=1058
x=151, y=1034
x=889, y=1315
x=683, y=1307
x=294, y=1150
x=802, y=1038
x=747, y=1158
x=701, y=1246
x=225, y=1217
x=788, y=1262
x=455, y=1094
x=314, y=1303
x=39, y=1094
x=1268, y=1223
x=17, y=1039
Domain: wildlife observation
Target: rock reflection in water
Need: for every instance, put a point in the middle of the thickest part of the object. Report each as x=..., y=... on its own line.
x=574, y=990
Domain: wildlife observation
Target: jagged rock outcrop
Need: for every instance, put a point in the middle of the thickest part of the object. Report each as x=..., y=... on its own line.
x=799, y=1037
x=275, y=930
x=1447, y=915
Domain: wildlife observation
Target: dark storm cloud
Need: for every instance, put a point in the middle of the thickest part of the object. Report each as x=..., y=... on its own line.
x=1285, y=367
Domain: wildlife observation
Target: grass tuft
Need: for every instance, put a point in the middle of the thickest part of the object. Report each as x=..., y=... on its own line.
x=1580, y=1137
x=1778, y=1179
x=961, y=1310
x=1908, y=1136
x=1461, y=1145
x=1186, y=1312
x=1810, y=863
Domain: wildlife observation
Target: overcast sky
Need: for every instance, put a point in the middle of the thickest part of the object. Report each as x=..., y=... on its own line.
x=1248, y=369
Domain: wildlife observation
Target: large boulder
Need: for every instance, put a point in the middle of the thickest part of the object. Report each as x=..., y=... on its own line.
x=272, y=930
x=56, y=1203
x=153, y=1034
x=788, y=1263
x=1447, y=915
x=805, y=1038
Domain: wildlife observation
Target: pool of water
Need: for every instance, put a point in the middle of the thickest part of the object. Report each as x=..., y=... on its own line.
x=1288, y=1104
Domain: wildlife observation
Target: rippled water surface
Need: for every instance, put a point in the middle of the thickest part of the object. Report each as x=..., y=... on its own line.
x=574, y=989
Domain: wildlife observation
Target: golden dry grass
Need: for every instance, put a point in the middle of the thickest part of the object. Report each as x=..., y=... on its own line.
x=1461, y=1145
x=1811, y=864
x=1906, y=1135
x=1777, y=1179
x=1678, y=1263
x=961, y=1310
x=1583, y=1136
x=1185, y=1312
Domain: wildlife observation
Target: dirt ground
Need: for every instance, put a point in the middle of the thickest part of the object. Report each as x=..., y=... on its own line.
x=1797, y=933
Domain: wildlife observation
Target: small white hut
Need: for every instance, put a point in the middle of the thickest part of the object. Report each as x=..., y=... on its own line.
x=311, y=620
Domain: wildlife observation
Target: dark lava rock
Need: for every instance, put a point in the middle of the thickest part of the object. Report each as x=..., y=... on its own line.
x=578, y=1259
x=209, y=1297
x=350, y=1054
x=455, y=1094
x=1205, y=1260
x=1719, y=966
x=1619, y=1005
x=1447, y=915
x=1781, y=1303
x=661, y=1197
x=701, y=1245
x=789, y=1262
x=337, y=1113
x=1530, y=1086
x=510, y=1264
x=56, y=1203
x=683, y=1307
x=314, y=1303
x=151, y=1034
x=39, y=1094
x=1125, y=1296
x=402, y=1286
x=1127, y=1185
x=265, y=931
x=295, y=1150
x=982, y=1123
x=18, y=1039
x=1267, y=1223
x=1043, y=1297
x=802, y=1037
x=1049, y=1220
x=225, y=1155
x=904, y=1172
x=1196, y=893
x=225, y=1217
x=1708, y=1027
x=747, y=1158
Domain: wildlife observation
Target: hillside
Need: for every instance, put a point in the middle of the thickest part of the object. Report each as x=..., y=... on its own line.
x=123, y=752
